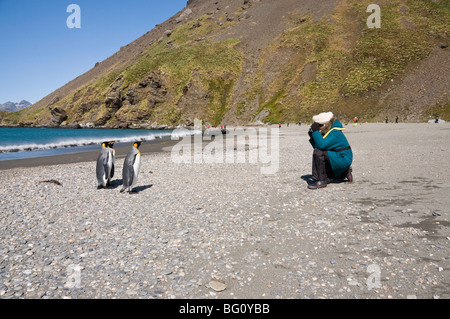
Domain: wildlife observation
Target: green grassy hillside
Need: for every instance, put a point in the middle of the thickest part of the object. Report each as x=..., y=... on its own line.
x=350, y=61
x=316, y=64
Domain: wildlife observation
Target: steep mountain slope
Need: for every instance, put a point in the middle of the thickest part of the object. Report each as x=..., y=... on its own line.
x=237, y=61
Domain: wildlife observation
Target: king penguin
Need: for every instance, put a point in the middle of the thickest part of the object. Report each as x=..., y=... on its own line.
x=105, y=165
x=131, y=167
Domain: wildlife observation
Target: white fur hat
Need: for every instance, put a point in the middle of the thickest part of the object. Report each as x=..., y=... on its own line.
x=322, y=118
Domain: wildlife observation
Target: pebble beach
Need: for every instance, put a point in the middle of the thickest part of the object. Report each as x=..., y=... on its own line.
x=225, y=230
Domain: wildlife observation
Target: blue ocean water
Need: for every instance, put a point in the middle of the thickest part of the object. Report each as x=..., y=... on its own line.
x=18, y=142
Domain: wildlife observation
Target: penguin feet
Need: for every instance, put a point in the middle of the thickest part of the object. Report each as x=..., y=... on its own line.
x=129, y=191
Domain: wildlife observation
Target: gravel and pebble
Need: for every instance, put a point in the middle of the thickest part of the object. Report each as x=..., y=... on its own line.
x=229, y=231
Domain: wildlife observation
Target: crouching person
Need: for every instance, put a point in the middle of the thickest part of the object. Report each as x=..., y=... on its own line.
x=332, y=157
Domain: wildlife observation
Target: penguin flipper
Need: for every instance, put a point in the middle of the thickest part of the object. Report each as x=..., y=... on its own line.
x=100, y=172
x=130, y=175
x=127, y=173
x=113, y=155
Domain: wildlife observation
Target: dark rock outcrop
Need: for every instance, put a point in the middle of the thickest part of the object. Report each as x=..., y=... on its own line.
x=58, y=115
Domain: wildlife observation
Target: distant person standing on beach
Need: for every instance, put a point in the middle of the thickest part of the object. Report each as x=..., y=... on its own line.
x=387, y=120
x=332, y=156
x=396, y=119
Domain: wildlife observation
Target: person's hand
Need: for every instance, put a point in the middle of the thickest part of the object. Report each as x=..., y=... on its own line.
x=315, y=127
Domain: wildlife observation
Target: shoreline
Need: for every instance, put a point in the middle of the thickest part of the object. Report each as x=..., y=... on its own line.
x=149, y=147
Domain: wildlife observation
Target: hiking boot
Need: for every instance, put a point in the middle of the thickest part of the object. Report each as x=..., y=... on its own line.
x=349, y=175
x=318, y=184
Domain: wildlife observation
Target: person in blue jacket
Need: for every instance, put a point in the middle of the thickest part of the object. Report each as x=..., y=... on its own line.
x=332, y=156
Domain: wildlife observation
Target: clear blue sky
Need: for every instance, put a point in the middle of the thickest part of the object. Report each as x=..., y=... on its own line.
x=39, y=53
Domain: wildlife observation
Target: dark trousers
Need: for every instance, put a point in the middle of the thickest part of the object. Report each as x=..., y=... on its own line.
x=321, y=167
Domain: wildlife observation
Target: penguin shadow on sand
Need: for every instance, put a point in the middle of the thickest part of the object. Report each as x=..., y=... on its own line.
x=138, y=189
x=114, y=184
x=119, y=182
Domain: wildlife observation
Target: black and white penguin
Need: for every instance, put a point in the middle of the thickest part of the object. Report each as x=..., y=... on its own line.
x=131, y=167
x=105, y=164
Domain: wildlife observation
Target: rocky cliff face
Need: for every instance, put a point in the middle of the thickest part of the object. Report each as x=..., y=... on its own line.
x=241, y=61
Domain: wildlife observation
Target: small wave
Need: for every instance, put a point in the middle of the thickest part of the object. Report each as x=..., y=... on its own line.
x=84, y=141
